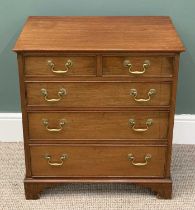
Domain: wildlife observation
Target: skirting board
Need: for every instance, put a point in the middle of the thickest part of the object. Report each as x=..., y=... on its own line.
x=11, y=128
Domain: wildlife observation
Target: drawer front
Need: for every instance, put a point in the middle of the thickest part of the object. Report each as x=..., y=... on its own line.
x=98, y=125
x=98, y=94
x=60, y=66
x=75, y=161
x=137, y=66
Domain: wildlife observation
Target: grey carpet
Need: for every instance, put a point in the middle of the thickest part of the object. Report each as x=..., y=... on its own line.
x=95, y=196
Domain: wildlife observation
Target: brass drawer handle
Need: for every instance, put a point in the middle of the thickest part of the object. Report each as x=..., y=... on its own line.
x=61, y=125
x=128, y=65
x=151, y=92
x=62, y=92
x=133, y=124
x=147, y=159
x=57, y=164
x=68, y=65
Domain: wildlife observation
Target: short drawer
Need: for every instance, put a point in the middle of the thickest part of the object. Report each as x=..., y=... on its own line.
x=60, y=66
x=108, y=125
x=98, y=94
x=142, y=66
x=96, y=161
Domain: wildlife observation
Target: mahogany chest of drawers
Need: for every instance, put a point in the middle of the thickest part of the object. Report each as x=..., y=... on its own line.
x=98, y=99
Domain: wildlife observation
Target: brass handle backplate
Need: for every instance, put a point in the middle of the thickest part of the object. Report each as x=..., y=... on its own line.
x=151, y=92
x=128, y=65
x=62, y=92
x=57, y=164
x=148, y=123
x=147, y=159
x=68, y=65
x=61, y=125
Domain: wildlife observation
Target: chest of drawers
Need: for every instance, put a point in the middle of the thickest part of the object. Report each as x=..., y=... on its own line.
x=98, y=100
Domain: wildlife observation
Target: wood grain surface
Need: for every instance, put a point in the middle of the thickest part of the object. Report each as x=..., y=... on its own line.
x=98, y=125
x=81, y=66
x=159, y=66
x=86, y=160
x=98, y=94
x=136, y=34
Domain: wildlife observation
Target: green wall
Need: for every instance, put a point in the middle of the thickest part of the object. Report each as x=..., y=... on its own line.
x=14, y=13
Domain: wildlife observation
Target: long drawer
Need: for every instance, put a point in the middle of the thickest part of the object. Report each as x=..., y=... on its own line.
x=98, y=94
x=98, y=160
x=98, y=125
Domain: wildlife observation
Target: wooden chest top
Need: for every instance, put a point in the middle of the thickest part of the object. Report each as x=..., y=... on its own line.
x=99, y=34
